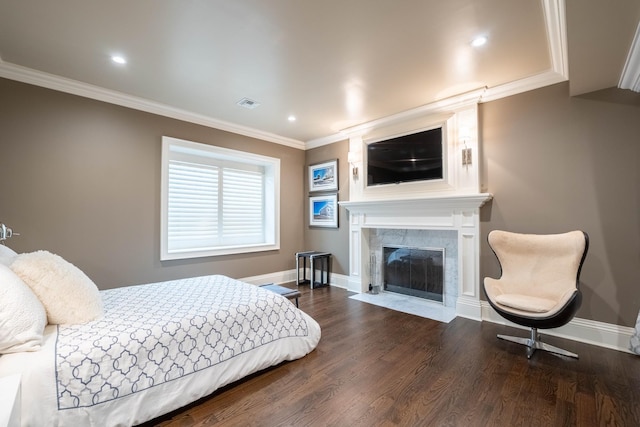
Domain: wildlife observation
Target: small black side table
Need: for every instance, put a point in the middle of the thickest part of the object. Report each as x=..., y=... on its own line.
x=317, y=260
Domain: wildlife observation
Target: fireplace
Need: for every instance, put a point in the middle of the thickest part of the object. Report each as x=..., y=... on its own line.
x=451, y=222
x=445, y=241
x=440, y=213
x=418, y=272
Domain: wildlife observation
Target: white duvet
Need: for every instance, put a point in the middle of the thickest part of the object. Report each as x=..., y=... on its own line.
x=158, y=347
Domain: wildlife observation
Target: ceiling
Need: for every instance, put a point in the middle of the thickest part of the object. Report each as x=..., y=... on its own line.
x=332, y=64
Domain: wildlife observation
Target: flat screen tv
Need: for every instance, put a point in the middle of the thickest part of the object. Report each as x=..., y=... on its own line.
x=414, y=157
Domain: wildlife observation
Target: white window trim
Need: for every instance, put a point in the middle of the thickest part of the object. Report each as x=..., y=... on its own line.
x=272, y=202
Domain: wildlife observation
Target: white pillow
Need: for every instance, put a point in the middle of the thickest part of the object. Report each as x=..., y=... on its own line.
x=6, y=255
x=22, y=316
x=67, y=294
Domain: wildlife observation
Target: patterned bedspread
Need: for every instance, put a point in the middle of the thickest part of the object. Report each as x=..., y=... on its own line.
x=153, y=334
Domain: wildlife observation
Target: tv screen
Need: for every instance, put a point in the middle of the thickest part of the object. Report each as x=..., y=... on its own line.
x=414, y=157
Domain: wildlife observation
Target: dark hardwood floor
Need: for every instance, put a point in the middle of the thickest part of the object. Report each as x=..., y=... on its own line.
x=378, y=367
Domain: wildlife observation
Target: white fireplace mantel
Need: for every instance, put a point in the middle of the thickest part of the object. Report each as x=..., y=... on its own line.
x=458, y=212
x=417, y=205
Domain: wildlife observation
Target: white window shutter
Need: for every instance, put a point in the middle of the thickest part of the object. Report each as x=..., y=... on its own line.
x=217, y=201
x=243, y=206
x=192, y=206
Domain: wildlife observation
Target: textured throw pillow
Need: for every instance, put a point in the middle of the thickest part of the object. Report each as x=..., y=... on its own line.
x=67, y=294
x=6, y=255
x=22, y=316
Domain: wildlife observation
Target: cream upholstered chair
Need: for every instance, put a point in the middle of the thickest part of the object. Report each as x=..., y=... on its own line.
x=538, y=287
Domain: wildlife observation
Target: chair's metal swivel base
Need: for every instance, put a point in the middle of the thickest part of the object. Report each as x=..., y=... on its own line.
x=534, y=343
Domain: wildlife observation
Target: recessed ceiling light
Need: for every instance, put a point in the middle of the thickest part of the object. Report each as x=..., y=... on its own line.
x=118, y=59
x=291, y=118
x=479, y=41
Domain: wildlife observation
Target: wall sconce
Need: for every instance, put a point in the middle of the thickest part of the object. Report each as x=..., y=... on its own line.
x=352, y=158
x=466, y=155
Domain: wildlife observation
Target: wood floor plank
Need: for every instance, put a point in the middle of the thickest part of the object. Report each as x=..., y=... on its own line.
x=378, y=367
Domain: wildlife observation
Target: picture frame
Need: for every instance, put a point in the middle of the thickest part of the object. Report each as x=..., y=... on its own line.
x=323, y=211
x=323, y=176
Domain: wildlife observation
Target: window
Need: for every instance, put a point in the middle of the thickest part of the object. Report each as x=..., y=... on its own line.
x=217, y=201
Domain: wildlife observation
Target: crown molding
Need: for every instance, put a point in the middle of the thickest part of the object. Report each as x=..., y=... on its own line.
x=453, y=103
x=326, y=140
x=555, y=24
x=50, y=81
x=556, y=28
x=630, y=78
x=537, y=81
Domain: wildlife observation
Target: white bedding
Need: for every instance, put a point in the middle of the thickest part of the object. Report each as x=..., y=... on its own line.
x=158, y=347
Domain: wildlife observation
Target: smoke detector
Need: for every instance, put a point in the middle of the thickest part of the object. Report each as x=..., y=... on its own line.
x=247, y=103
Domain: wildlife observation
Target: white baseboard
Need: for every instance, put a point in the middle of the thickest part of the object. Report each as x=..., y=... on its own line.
x=277, y=278
x=582, y=330
x=345, y=282
x=280, y=277
x=469, y=308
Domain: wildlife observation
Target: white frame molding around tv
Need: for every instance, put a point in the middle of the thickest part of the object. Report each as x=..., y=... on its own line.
x=458, y=117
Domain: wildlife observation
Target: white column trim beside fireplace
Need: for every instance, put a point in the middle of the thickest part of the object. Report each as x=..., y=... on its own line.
x=442, y=212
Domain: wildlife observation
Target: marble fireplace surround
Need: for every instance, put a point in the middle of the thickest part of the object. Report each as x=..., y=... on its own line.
x=458, y=213
x=445, y=240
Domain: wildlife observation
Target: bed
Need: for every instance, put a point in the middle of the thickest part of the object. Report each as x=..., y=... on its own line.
x=156, y=348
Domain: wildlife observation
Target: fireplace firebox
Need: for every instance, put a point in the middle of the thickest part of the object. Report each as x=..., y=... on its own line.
x=414, y=271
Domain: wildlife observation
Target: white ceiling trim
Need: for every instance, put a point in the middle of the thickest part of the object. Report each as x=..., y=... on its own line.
x=444, y=105
x=537, y=81
x=555, y=23
x=630, y=78
x=556, y=26
x=488, y=94
x=450, y=104
x=50, y=81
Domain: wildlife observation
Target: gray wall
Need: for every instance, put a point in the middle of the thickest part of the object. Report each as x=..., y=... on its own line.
x=81, y=178
x=556, y=163
x=333, y=240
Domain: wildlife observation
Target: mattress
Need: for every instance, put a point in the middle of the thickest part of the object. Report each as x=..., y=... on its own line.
x=158, y=347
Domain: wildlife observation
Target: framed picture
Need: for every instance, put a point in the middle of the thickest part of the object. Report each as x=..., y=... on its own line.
x=324, y=176
x=323, y=211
